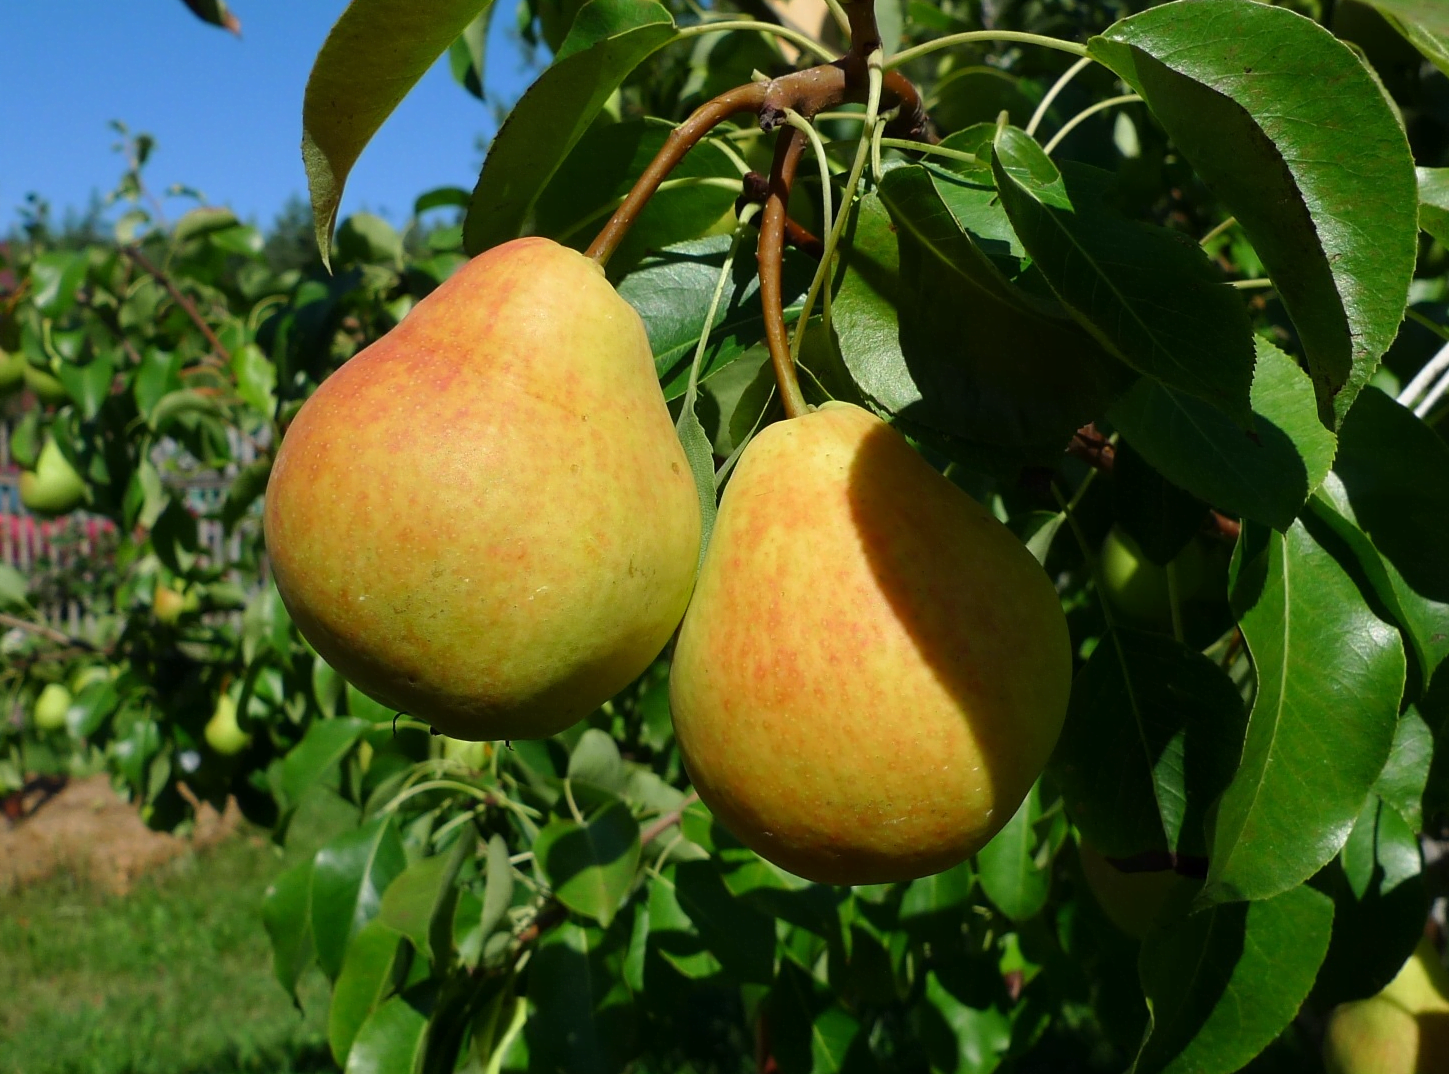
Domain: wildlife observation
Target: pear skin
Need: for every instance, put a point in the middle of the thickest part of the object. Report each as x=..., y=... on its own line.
x=1371, y=1036
x=485, y=519
x=873, y=669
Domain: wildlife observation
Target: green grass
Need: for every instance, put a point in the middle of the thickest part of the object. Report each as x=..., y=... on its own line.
x=174, y=978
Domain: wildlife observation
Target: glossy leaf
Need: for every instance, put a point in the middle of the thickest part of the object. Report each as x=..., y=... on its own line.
x=373, y=56
x=287, y=915
x=1406, y=773
x=366, y=979
x=1265, y=476
x=1152, y=736
x=1330, y=675
x=554, y=112
x=672, y=934
x=349, y=876
x=468, y=54
x=326, y=743
x=924, y=344
x=391, y=1041
x=671, y=292
x=1007, y=866
x=808, y=1033
x=738, y=935
x=419, y=903
x=1222, y=984
x=1434, y=202
x=1148, y=295
x=498, y=886
x=1293, y=133
x=590, y=866
x=1429, y=14
x=960, y=1037
x=1394, y=474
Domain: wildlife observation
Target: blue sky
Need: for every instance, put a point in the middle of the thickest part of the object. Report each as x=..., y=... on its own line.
x=226, y=113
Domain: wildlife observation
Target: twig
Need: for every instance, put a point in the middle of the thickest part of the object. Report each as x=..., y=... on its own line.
x=60, y=637
x=1093, y=448
x=667, y=820
x=769, y=255
x=180, y=299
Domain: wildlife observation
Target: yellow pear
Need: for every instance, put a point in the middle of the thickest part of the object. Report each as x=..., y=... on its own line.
x=873, y=669
x=223, y=732
x=1422, y=984
x=485, y=519
x=1371, y=1036
x=51, y=707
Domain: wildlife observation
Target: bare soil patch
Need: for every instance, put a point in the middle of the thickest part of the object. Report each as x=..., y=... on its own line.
x=86, y=829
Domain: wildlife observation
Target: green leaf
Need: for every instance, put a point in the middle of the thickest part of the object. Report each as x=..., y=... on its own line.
x=91, y=708
x=468, y=54
x=590, y=866
x=595, y=760
x=419, y=903
x=960, y=1037
x=325, y=743
x=216, y=13
x=1293, y=133
x=1424, y=22
x=391, y=1041
x=372, y=57
x=1152, y=736
x=349, y=876
x=1007, y=866
x=1266, y=476
x=1394, y=472
x=88, y=385
x=1150, y=296
x=54, y=279
x=256, y=378
x=672, y=934
x=809, y=1033
x=367, y=978
x=498, y=886
x=671, y=292
x=1222, y=984
x=924, y=343
x=14, y=588
x=565, y=992
x=1330, y=674
x=287, y=916
x=181, y=406
x=554, y=112
x=601, y=169
x=1159, y=516
x=1434, y=202
x=938, y=893
x=1406, y=773
x=737, y=934
x=249, y=485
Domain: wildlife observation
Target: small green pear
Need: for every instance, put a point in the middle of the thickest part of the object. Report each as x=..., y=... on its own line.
x=51, y=707
x=1135, y=902
x=1371, y=1036
x=873, y=669
x=485, y=519
x=223, y=733
x=1137, y=587
x=45, y=384
x=53, y=487
x=472, y=755
x=167, y=604
x=12, y=372
x=1422, y=985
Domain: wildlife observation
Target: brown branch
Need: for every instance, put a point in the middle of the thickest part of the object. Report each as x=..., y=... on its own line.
x=667, y=820
x=180, y=299
x=757, y=190
x=769, y=255
x=551, y=915
x=1222, y=527
x=60, y=637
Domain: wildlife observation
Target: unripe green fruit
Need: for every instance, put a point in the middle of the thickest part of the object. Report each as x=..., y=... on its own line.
x=223, y=733
x=167, y=604
x=1135, y=902
x=473, y=755
x=1371, y=1036
x=46, y=385
x=53, y=487
x=1137, y=587
x=12, y=372
x=51, y=707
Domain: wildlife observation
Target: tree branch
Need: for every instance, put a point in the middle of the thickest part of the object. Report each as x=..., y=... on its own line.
x=769, y=255
x=666, y=820
x=60, y=637
x=187, y=306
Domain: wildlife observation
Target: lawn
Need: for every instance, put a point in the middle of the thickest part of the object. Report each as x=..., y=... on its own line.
x=173, y=978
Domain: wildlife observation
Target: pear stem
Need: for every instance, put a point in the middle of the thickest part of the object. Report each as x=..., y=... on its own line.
x=770, y=254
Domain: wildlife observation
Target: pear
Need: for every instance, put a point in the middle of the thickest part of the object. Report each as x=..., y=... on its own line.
x=167, y=604
x=873, y=670
x=485, y=519
x=1371, y=1036
x=1138, y=588
x=53, y=487
x=51, y=707
x=1135, y=902
x=223, y=732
